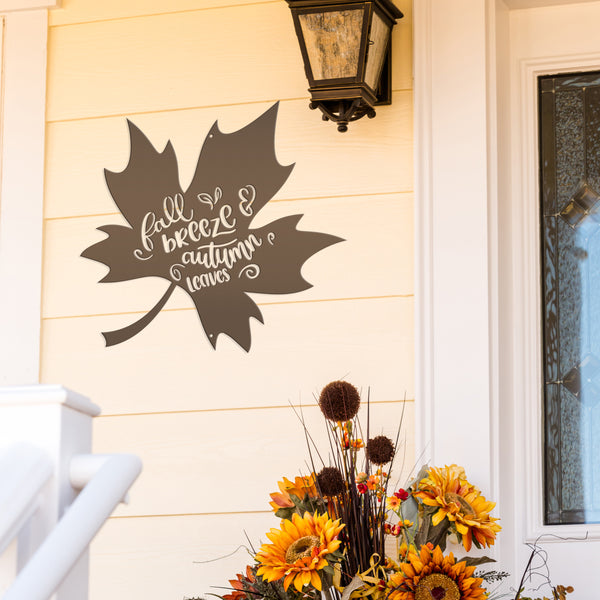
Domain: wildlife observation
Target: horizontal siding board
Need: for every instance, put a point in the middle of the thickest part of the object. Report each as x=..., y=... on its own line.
x=83, y=11
x=199, y=462
x=171, y=366
x=374, y=156
x=375, y=258
x=153, y=558
x=178, y=60
x=174, y=60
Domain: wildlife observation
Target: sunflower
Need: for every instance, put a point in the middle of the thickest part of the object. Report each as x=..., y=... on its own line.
x=461, y=503
x=299, y=550
x=430, y=574
x=300, y=487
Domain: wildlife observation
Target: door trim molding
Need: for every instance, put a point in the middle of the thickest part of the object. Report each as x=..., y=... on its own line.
x=527, y=347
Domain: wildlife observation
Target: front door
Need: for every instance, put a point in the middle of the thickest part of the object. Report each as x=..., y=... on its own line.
x=555, y=167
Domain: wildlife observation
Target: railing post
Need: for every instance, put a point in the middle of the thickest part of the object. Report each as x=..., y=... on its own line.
x=59, y=422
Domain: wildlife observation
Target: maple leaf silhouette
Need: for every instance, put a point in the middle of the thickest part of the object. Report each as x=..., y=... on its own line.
x=200, y=239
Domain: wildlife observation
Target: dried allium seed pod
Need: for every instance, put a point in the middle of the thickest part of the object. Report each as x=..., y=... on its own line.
x=380, y=450
x=330, y=481
x=339, y=401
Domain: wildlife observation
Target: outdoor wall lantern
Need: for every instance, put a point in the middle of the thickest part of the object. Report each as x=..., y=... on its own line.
x=345, y=46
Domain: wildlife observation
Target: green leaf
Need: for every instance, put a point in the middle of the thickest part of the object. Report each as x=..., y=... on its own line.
x=412, y=485
x=429, y=533
x=474, y=562
x=285, y=513
x=410, y=509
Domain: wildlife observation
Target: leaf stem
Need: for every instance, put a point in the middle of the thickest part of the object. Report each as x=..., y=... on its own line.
x=122, y=335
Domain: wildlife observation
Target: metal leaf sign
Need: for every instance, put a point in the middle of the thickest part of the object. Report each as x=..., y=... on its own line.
x=200, y=239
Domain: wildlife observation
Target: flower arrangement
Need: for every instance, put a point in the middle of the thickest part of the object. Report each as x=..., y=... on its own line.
x=346, y=534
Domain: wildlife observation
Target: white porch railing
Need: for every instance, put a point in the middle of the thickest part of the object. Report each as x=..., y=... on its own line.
x=45, y=525
x=67, y=542
x=24, y=471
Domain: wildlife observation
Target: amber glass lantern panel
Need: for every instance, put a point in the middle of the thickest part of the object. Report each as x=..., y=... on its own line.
x=332, y=42
x=378, y=42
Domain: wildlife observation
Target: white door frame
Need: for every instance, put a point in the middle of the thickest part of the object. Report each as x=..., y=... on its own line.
x=478, y=354
x=527, y=275
x=454, y=198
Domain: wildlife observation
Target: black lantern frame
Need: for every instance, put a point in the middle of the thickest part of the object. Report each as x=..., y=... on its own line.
x=354, y=74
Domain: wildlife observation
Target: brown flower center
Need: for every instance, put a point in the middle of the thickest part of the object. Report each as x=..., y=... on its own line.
x=465, y=508
x=437, y=586
x=301, y=548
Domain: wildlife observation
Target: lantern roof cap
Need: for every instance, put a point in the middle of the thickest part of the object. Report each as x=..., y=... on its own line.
x=386, y=5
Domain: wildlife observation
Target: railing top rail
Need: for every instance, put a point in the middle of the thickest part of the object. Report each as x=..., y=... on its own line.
x=23, y=395
x=109, y=480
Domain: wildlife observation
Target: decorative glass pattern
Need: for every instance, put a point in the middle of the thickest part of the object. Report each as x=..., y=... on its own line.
x=333, y=42
x=570, y=226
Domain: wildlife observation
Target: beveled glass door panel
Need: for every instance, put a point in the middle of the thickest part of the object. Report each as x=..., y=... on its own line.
x=570, y=225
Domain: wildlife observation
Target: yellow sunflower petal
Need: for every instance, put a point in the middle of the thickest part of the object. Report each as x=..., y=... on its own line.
x=438, y=555
x=288, y=579
x=408, y=570
x=461, y=528
x=301, y=580
x=315, y=580
x=439, y=516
